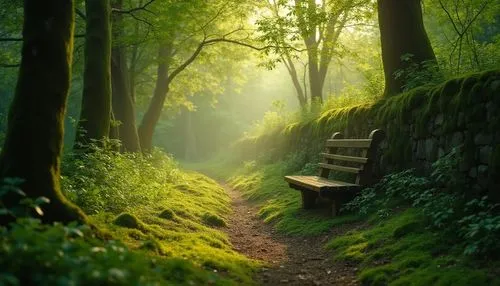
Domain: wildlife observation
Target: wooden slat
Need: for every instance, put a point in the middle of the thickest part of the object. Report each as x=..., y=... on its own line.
x=348, y=143
x=344, y=158
x=340, y=168
x=316, y=183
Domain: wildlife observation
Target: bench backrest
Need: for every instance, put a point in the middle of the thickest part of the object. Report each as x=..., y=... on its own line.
x=333, y=160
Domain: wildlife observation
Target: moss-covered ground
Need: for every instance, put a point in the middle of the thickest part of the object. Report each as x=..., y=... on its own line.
x=182, y=224
x=163, y=226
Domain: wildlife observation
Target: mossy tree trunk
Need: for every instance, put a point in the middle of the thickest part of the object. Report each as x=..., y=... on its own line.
x=95, y=115
x=402, y=32
x=34, y=140
x=123, y=104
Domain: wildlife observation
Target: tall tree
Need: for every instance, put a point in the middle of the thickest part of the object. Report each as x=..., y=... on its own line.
x=33, y=145
x=314, y=26
x=155, y=107
x=95, y=115
x=184, y=40
x=402, y=32
x=123, y=103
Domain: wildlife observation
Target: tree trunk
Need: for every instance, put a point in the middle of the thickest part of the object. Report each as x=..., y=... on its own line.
x=34, y=140
x=123, y=105
x=315, y=83
x=153, y=113
x=402, y=32
x=292, y=71
x=95, y=116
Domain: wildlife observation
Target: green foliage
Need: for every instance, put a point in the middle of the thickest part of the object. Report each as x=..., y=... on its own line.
x=474, y=223
x=64, y=255
x=105, y=180
x=417, y=74
x=26, y=207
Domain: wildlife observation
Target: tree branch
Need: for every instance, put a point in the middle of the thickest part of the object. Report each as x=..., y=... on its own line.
x=10, y=65
x=131, y=11
x=11, y=39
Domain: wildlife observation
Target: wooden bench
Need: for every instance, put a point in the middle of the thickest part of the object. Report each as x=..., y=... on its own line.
x=314, y=187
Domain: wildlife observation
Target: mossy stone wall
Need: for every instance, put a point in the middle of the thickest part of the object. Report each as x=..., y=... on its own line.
x=422, y=125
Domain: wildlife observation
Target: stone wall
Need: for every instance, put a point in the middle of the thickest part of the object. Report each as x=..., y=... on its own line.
x=422, y=125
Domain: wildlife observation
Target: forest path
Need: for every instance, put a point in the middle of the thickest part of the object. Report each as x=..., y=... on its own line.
x=290, y=260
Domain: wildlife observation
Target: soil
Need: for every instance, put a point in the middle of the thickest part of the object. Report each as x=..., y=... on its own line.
x=289, y=260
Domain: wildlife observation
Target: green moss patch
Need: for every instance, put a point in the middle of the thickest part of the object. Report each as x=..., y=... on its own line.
x=127, y=220
x=213, y=220
x=167, y=214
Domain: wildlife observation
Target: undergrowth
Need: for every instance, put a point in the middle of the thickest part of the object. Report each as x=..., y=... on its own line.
x=163, y=223
x=425, y=231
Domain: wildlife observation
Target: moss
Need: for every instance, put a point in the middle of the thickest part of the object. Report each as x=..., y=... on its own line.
x=401, y=251
x=127, y=220
x=213, y=220
x=405, y=229
x=167, y=214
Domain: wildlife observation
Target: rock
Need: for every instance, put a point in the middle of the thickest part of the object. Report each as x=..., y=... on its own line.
x=483, y=139
x=485, y=154
x=430, y=149
x=457, y=139
x=495, y=85
x=421, y=149
x=482, y=175
x=301, y=277
x=284, y=281
x=461, y=119
x=473, y=173
x=441, y=152
x=439, y=119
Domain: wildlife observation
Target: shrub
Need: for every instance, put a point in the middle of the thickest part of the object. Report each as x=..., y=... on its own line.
x=105, y=180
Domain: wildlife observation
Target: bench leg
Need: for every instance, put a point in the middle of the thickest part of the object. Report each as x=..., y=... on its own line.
x=308, y=199
x=335, y=210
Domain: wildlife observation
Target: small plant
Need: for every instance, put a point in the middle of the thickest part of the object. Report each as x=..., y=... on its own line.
x=417, y=74
x=26, y=207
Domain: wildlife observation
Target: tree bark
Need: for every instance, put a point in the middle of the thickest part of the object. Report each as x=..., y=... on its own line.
x=292, y=71
x=153, y=113
x=123, y=104
x=34, y=140
x=402, y=32
x=95, y=115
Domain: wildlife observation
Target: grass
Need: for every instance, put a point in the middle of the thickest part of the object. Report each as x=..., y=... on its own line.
x=400, y=250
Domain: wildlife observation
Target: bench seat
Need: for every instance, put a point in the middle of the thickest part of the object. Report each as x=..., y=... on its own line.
x=319, y=184
x=314, y=188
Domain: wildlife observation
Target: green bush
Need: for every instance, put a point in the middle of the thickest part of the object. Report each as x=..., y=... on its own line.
x=105, y=180
x=474, y=223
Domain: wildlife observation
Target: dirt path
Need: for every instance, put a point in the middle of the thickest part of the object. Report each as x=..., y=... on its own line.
x=291, y=260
